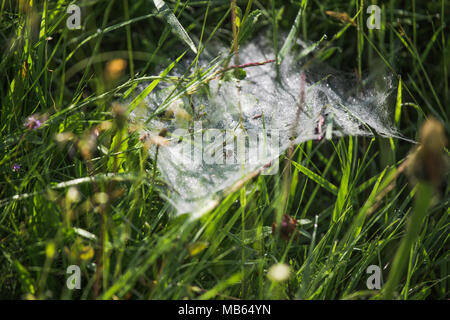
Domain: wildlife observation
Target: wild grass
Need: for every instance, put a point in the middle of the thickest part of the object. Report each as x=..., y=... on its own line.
x=77, y=186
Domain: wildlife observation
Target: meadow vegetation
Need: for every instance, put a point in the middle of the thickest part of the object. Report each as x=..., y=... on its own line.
x=77, y=185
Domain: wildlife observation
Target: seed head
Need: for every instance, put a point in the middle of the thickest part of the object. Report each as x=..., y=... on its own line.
x=428, y=162
x=278, y=272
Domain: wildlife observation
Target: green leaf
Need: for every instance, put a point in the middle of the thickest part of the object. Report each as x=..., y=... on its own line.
x=241, y=74
x=177, y=28
x=25, y=278
x=248, y=26
x=119, y=146
x=316, y=178
x=343, y=189
x=137, y=101
x=238, y=16
x=398, y=107
x=198, y=247
x=290, y=40
x=221, y=286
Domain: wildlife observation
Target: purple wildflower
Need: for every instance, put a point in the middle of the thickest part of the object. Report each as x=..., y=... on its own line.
x=16, y=167
x=33, y=122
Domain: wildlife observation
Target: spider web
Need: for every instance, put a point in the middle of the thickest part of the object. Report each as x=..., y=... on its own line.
x=249, y=123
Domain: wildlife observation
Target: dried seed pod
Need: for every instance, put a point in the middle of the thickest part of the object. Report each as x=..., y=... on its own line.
x=163, y=132
x=341, y=16
x=169, y=114
x=159, y=141
x=119, y=112
x=87, y=145
x=428, y=162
